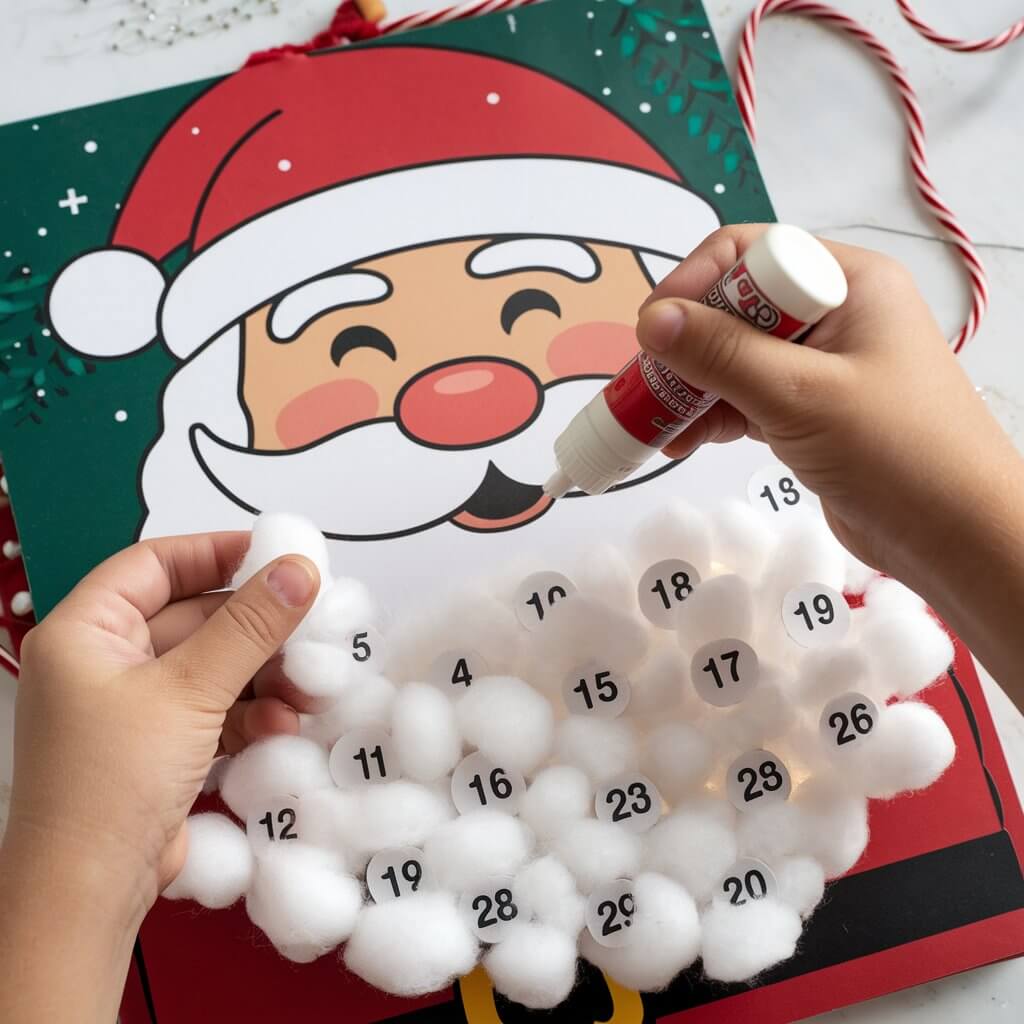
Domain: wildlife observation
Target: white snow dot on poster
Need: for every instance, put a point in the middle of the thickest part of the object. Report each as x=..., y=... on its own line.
x=629, y=801
x=538, y=594
x=493, y=98
x=40, y=392
x=775, y=491
x=663, y=588
x=272, y=822
x=17, y=344
x=597, y=690
x=705, y=35
x=645, y=107
x=91, y=146
x=41, y=232
x=45, y=332
x=458, y=669
x=815, y=615
x=478, y=782
x=757, y=779
x=8, y=254
x=35, y=127
x=724, y=672
x=599, y=52
x=284, y=165
x=490, y=908
x=848, y=721
x=609, y=913
x=606, y=91
x=363, y=757
x=396, y=872
x=117, y=206
x=670, y=37
x=748, y=879
x=590, y=15
x=195, y=130
x=120, y=416
x=719, y=188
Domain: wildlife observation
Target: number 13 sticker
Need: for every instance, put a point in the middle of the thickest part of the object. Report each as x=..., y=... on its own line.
x=815, y=615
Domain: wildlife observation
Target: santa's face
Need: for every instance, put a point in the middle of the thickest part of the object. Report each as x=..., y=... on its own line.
x=453, y=365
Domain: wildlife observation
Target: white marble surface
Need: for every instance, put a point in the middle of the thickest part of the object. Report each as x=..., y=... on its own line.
x=833, y=155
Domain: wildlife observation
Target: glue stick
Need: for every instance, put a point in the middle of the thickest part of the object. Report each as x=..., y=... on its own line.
x=783, y=284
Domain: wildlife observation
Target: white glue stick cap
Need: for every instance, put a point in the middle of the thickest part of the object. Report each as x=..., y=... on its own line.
x=796, y=272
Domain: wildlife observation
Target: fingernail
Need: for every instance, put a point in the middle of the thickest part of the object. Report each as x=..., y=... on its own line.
x=291, y=582
x=662, y=324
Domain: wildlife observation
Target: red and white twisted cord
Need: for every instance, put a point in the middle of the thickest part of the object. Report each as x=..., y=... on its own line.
x=1015, y=31
x=467, y=10
x=940, y=211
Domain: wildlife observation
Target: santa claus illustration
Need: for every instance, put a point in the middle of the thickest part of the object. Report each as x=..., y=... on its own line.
x=400, y=271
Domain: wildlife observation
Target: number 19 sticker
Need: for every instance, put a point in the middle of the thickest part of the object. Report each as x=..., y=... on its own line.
x=815, y=615
x=394, y=873
x=610, y=912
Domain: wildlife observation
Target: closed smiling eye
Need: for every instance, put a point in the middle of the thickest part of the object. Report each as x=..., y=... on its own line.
x=522, y=302
x=361, y=336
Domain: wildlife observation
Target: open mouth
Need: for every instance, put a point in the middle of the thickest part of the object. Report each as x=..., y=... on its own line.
x=500, y=503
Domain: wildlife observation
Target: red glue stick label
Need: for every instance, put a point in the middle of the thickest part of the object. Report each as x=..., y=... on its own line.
x=654, y=404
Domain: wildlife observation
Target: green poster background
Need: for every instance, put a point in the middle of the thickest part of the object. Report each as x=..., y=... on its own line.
x=73, y=431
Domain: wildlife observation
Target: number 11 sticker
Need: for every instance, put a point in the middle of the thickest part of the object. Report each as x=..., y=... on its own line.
x=815, y=615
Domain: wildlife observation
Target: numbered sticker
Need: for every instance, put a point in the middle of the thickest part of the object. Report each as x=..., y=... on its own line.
x=610, y=910
x=478, y=782
x=491, y=908
x=746, y=881
x=272, y=822
x=724, y=672
x=848, y=721
x=392, y=874
x=364, y=646
x=538, y=594
x=363, y=756
x=775, y=491
x=815, y=615
x=596, y=691
x=756, y=779
x=663, y=588
x=631, y=801
x=455, y=670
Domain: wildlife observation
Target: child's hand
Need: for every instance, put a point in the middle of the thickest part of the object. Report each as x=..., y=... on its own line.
x=129, y=688
x=872, y=413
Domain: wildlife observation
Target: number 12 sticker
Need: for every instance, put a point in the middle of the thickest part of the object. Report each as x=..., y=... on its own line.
x=815, y=615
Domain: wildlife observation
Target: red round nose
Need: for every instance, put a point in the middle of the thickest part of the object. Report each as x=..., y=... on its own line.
x=467, y=403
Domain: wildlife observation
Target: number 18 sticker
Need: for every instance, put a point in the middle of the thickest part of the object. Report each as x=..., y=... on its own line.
x=663, y=588
x=815, y=615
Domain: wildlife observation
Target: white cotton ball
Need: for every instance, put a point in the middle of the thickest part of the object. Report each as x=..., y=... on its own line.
x=534, y=965
x=600, y=747
x=558, y=795
x=827, y=672
x=327, y=819
x=507, y=721
x=676, y=530
x=546, y=892
x=764, y=715
x=740, y=942
x=278, y=766
x=910, y=747
x=366, y=704
x=275, y=534
x=859, y=575
x=597, y=852
x=212, y=781
x=695, y=845
x=413, y=945
x=473, y=847
x=218, y=866
x=321, y=670
x=836, y=823
x=771, y=832
x=907, y=652
x=801, y=883
x=886, y=596
x=344, y=609
x=807, y=553
x=720, y=607
x=425, y=732
x=605, y=575
x=743, y=541
x=661, y=685
x=677, y=758
x=397, y=814
x=664, y=937
x=301, y=901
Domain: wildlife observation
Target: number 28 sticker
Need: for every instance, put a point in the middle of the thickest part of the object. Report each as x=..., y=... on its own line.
x=757, y=779
x=490, y=908
x=815, y=615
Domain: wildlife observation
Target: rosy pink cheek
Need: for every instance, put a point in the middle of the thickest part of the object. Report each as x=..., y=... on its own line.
x=325, y=409
x=596, y=347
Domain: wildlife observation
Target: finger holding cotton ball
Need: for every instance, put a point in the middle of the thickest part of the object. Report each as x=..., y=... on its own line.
x=558, y=795
x=534, y=965
x=411, y=946
x=425, y=732
x=275, y=534
x=218, y=866
x=346, y=608
x=279, y=765
x=366, y=705
x=739, y=942
x=663, y=936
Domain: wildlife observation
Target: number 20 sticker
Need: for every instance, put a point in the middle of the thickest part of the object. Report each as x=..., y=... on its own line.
x=757, y=779
x=815, y=615
x=610, y=912
x=746, y=881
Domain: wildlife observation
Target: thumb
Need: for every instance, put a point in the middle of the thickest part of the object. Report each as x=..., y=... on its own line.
x=247, y=630
x=764, y=377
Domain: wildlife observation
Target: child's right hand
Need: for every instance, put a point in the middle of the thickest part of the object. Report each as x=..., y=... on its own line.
x=873, y=413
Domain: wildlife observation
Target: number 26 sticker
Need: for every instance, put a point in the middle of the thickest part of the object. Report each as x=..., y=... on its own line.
x=848, y=722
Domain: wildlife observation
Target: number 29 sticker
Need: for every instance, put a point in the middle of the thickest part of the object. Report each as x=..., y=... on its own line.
x=610, y=911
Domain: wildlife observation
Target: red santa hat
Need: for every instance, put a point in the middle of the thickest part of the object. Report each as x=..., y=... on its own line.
x=285, y=171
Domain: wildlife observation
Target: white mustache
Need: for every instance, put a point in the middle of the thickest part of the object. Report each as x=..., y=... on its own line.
x=373, y=481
